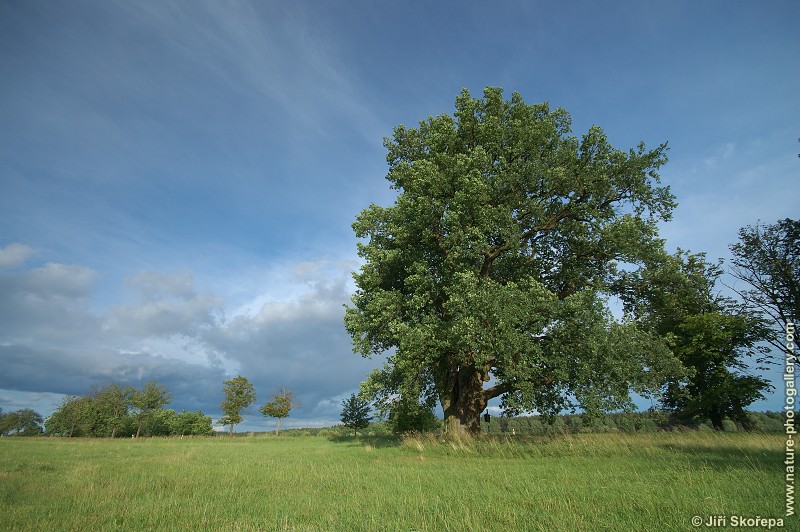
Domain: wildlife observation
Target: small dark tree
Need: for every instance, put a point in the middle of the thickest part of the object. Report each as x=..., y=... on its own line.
x=280, y=407
x=355, y=413
x=239, y=394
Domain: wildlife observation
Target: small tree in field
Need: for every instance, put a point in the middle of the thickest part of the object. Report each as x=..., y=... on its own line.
x=239, y=394
x=280, y=407
x=355, y=413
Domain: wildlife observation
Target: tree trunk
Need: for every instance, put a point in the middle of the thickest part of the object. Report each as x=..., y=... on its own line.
x=716, y=420
x=278, y=430
x=231, y=430
x=463, y=400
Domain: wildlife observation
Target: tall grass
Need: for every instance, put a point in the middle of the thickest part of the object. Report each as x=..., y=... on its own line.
x=652, y=481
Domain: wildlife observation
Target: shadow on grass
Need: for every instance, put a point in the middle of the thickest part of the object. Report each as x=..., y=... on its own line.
x=729, y=457
x=374, y=441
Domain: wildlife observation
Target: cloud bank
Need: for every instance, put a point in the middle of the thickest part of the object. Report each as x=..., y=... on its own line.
x=174, y=333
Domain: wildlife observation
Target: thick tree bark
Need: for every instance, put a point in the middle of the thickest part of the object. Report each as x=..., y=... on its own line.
x=716, y=420
x=463, y=399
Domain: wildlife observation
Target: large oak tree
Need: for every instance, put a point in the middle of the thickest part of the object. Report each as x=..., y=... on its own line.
x=490, y=274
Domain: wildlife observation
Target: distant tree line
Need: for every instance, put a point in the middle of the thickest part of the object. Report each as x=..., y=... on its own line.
x=117, y=411
x=114, y=411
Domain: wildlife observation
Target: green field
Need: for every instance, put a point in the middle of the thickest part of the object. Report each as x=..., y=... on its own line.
x=651, y=481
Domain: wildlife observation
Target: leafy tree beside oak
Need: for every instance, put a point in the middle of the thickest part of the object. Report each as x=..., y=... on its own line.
x=767, y=260
x=490, y=274
x=239, y=394
x=715, y=338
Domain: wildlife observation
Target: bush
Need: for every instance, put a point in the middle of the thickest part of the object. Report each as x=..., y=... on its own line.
x=411, y=416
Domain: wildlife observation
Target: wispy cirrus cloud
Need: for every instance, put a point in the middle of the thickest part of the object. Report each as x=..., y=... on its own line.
x=722, y=153
x=266, y=53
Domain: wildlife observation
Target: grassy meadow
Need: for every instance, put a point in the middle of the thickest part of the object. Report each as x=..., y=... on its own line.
x=618, y=481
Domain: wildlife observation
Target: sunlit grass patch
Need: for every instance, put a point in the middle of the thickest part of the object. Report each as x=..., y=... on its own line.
x=648, y=481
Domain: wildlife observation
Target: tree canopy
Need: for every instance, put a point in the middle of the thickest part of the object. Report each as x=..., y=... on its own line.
x=112, y=403
x=23, y=422
x=114, y=410
x=147, y=401
x=490, y=274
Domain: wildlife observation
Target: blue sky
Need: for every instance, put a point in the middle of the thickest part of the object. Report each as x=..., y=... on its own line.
x=179, y=178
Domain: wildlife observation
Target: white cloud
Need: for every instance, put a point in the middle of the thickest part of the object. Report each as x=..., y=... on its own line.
x=14, y=255
x=168, y=306
x=155, y=285
x=298, y=341
x=61, y=280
